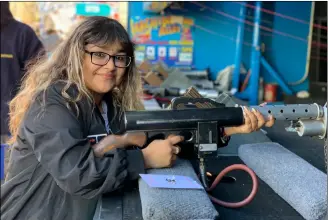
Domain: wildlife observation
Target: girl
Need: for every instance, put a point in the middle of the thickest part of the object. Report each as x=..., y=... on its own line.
x=68, y=106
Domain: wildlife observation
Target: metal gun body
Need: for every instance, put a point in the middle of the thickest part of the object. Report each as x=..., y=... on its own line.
x=184, y=122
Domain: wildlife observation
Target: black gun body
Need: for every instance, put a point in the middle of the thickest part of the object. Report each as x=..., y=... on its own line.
x=183, y=122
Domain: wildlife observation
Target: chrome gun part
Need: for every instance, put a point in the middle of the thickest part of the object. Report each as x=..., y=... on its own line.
x=311, y=128
x=291, y=112
x=306, y=119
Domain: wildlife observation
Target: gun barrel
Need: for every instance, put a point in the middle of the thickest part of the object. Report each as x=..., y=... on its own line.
x=292, y=112
x=181, y=119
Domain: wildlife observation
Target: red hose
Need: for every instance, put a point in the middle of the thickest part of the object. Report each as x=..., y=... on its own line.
x=222, y=174
x=147, y=97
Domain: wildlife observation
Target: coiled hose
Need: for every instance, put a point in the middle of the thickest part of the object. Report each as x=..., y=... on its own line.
x=228, y=169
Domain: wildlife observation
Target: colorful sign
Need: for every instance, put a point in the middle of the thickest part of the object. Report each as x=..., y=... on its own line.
x=166, y=38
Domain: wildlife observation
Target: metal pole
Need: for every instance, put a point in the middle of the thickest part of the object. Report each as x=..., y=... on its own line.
x=287, y=90
x=255, y=57
x=239, y=48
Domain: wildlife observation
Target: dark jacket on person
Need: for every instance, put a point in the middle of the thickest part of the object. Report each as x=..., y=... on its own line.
x=19, y=44
x=54, y=174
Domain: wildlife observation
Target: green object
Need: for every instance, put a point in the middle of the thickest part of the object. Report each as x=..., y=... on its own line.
x=92, y=9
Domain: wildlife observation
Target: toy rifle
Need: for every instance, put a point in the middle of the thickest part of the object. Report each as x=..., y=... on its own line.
x=198, y=119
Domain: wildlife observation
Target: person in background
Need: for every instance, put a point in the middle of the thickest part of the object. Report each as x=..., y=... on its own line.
x=67, y=145
x=19, y=44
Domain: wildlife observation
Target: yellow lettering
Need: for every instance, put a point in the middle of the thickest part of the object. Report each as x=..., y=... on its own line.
x=166, y=30
x=141, y=48
x=176, y=29
x=161, y=22
x=143, y=26
x=187, y=42
x=157, y=24
x=173, y=29
x=153, y=23
x=166, y=20
x=188, y=21
x=173, y=42
x=138, y=27
x=9, y=56
x=186, y=49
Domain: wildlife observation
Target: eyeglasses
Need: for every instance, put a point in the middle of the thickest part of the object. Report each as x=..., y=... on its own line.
x=101, y=59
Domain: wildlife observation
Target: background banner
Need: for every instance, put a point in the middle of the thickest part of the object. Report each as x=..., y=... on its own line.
x=166, y=38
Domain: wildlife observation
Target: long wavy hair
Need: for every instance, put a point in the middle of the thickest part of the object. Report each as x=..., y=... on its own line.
x=65, y=64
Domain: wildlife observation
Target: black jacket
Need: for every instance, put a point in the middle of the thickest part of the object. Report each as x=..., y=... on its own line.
x=19, y=44
x=54, y=174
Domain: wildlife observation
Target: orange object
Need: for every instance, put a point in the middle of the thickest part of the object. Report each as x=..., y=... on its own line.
x=270, y=92
x=245, y=83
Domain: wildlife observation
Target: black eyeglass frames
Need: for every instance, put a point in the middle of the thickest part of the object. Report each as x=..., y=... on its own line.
x=101, y=59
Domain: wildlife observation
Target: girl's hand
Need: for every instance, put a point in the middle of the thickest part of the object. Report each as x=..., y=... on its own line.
x=253, y=121
x=162, y=153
